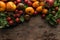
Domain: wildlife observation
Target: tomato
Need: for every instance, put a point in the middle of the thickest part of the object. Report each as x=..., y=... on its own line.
x=11, y=22
x=14, y=15
x=39, y=9
x=27, y=17
x=44, y=11
x=50, y=2
x=58, y=20
x=42, y=3
x=20, y=12
x=17, y=20
x=53, y=12
x=8, y=18
x=26, y=1
x=35, y=13
x=18, y=1
x=43, y=15
x=29, y=3
x=18, y=15
x=56, y=8
x=16, y=11
x=15, y=2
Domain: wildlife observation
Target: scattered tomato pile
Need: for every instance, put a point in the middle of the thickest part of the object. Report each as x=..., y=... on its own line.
x=17, y=11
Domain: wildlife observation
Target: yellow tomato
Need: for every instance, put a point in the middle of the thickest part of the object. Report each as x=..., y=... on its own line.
x=11, y=6
x=29, y=10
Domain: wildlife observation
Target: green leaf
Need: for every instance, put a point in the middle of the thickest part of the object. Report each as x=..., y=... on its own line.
x=49, y=16
x=53, y=19
x=57, y=14
x=57, y=3
x=22, y=19
x=1, y=26
x=26, y=6
x=51, y=23
x=2, y=14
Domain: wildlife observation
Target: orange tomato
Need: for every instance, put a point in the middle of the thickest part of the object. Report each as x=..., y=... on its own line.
x=44, y=11
x=33, y=0
x=2, y=6
x=35, y=4
x=42, y=3
x=39, y=9
x=29, y=10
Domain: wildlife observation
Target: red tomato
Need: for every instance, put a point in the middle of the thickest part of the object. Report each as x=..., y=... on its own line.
x=26, y=1
x=20, y=12
x=8, y=18
x=15, y=2
x=35, y=13
x=11, y=22
x=16, y=11
x=17, y=20
x=15, y=15
x=56, y=8
x=29, y=3
x=50, y=2
x=18, y=1
x=43, y=15
x=18, y=15
x=58, y=20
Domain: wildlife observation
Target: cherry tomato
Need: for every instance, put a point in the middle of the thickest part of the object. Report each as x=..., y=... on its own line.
x=11, y=22
x=17, y=20
x=18, y=1
x=29, y=3
x=15, y=2
x=58, y=20
x=35, y=13
x=56, y=8
x=8, y=18
x=18, y=15
x=20, y=12
x=43, y=15
x=15, y=15
x=26, y=1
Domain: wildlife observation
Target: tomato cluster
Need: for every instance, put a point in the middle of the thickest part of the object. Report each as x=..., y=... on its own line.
x=17, y=11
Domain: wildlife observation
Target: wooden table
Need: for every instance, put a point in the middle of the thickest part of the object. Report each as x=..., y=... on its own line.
x=32, y=30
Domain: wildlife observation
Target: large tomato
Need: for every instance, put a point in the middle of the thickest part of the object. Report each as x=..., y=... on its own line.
x=50, y=2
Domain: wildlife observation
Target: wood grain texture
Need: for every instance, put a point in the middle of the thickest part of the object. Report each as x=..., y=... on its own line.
x=32, y=30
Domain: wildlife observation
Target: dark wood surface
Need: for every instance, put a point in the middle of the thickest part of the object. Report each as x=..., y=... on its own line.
x=35, y=29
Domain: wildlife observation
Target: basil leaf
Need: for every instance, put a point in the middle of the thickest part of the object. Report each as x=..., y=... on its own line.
x=22, y=19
